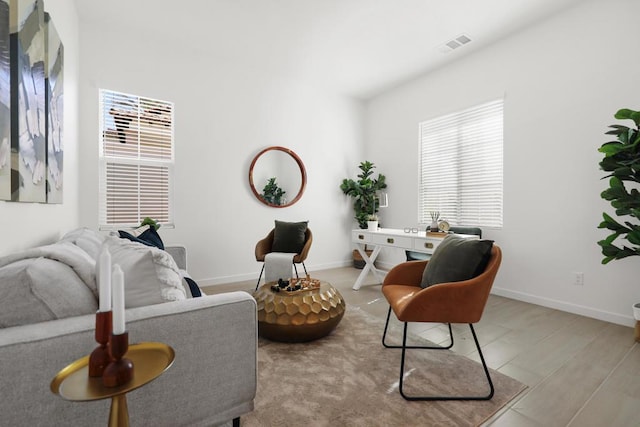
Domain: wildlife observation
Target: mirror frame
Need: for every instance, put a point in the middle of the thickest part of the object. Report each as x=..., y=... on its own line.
x=303, y=176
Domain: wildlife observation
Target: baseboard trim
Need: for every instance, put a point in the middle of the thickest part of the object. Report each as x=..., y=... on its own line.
x=581, y=310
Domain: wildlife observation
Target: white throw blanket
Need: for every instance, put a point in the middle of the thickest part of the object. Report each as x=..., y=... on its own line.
x=66, y=253
x=277, y=265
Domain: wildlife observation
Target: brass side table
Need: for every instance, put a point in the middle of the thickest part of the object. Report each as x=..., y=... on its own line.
x=150, y=360
x=298, y=316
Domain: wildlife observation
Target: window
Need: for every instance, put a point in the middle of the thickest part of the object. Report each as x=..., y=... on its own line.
x=136, y=160
x=461, y=166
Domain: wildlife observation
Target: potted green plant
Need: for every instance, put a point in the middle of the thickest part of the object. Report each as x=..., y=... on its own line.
x=372, y=222
x=622, y=164
x=272, y=193
x=151, y=222
x=363, y=191
x=365, y=203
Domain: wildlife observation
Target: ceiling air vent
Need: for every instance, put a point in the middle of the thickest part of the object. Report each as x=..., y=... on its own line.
x=454, y=43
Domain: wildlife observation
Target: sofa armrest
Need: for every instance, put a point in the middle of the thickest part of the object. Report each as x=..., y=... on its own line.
x=179, y=255
x=212, y=380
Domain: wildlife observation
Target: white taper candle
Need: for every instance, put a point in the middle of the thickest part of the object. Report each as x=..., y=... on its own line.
x=118, y=300
x=104, y=280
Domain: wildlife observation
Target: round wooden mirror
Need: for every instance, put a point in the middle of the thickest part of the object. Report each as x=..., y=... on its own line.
x=277, y=177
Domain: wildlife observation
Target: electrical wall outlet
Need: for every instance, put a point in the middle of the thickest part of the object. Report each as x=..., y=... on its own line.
x=578, y=278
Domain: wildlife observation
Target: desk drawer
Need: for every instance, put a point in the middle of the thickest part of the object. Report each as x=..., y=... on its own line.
x=399, y=241
x=360, y=237
x=427, y=245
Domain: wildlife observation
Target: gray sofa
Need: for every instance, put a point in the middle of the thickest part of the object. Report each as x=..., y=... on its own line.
x=212, y=380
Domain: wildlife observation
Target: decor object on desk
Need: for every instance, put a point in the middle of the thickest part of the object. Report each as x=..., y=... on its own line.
x=435, y=215
x=282, y=165
x=372, y=223
x=363, y=191
x=622, y=164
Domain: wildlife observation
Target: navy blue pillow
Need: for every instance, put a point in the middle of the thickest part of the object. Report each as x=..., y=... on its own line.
x=193, y=287
x=150, y=238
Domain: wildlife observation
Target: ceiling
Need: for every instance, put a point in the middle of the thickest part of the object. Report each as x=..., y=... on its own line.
x=359, y=47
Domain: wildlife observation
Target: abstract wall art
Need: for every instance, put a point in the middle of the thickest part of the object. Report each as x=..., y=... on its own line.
x=31, y=104
x=28, y=119
x=54, y=78
x=5, y=104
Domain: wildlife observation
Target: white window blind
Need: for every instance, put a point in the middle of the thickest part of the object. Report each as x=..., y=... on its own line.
x=136, y=160
x=461, y=166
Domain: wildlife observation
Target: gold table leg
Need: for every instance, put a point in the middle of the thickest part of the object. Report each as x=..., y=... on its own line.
x=119, y=413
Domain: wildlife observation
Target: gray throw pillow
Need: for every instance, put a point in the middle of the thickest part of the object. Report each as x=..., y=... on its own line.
x=289, y=237
x=456, y=259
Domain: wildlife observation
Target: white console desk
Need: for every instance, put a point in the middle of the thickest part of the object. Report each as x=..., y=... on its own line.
x=390, y=237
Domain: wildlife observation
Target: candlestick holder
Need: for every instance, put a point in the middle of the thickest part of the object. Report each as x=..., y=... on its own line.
x=100, y=357
x=120, y=370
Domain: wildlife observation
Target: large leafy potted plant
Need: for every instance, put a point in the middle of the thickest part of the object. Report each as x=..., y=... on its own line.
x=622, y=163
x=363, y=191
x=365, y=202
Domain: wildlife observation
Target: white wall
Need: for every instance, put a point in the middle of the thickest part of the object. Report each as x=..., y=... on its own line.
x=562, y=81
x=23, y=225
x=226, y=112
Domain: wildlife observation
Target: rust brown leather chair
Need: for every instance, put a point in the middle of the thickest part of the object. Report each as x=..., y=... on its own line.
x=454, y=302
x=263, y=247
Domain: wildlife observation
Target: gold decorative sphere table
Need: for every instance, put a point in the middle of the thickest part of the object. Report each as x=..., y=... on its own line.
x=300, y=315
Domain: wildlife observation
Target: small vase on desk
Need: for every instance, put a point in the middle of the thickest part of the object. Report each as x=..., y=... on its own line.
x=372, y=225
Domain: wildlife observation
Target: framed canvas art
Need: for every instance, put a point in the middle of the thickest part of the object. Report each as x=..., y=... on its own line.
x=5, y=104
x=54, y=104
x=28, y=112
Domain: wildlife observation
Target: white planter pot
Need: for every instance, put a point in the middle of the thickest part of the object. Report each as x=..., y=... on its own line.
x=372, y=225
x=636, y=311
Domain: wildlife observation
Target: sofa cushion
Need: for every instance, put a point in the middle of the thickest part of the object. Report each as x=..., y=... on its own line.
x=151, y=275
x=86, y=239
x=36, y=290
x=289, y=237
x=456, y=259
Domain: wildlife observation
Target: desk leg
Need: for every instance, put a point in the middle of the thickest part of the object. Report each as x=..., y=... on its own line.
x=119, y=414
x=369, y=266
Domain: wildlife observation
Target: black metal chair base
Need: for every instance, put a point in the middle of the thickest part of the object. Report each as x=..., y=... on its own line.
x=294, y=267
x=404, y=348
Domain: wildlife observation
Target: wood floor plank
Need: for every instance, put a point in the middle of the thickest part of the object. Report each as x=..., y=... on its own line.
x=561, y=395
x=616, y=403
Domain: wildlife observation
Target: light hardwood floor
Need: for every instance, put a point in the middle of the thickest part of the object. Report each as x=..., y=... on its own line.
x=579, y=371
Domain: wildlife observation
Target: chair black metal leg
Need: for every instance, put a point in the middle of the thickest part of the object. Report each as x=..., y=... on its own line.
x=305, y=269
x=260, y=277
x=484, y=365
x=436, y=347
x=296, y=269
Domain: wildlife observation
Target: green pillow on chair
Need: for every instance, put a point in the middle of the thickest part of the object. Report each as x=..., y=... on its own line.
x=456, y=259
x=289, y=237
